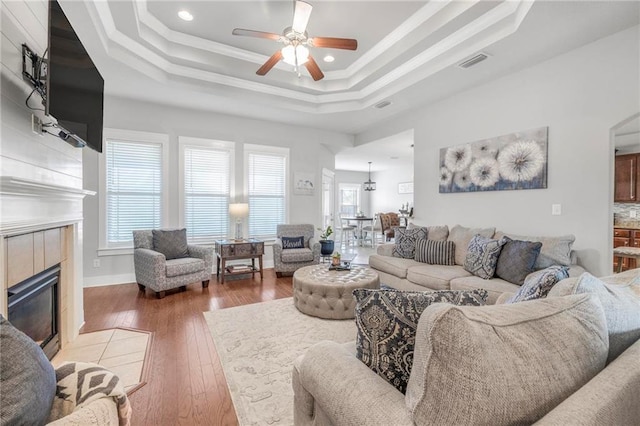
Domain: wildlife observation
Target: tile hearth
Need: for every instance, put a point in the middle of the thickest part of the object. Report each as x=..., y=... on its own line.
x=123, y=351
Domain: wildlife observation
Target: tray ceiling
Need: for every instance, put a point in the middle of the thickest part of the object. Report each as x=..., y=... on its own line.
x=407, y=52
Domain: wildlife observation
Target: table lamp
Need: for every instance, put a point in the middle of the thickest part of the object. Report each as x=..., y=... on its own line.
x=239, y=211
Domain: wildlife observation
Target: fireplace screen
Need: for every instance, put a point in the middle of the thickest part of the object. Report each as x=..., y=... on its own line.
x=33, y=309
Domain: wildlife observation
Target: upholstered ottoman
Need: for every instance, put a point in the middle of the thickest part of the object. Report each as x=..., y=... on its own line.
x=322, y=293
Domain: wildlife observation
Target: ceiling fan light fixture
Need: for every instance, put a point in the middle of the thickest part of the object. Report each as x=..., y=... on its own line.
x=185, y=15
x=290, y=53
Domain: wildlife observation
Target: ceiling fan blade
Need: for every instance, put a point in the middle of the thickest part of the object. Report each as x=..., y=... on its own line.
x=258, y=34
x=271, y=62
x=313, y=69
x=301, y=14
x=335, y=43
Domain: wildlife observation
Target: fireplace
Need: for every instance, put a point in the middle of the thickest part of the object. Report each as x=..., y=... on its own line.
x=33, y=309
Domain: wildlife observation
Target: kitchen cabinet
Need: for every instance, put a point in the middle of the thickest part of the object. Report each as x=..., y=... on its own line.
x=626, y=179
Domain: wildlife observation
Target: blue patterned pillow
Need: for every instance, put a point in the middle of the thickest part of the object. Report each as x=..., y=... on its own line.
x=538, y=284
x=406, y=240
x=387, y=320
x=482, y=256
x=292, y=242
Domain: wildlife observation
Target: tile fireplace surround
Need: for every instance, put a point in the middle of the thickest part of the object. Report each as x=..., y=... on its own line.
x=40, y=224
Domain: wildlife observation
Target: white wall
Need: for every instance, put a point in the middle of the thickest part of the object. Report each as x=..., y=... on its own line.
x=308, y=153
x=580, y=95
x=26, y=155
x=386, y=198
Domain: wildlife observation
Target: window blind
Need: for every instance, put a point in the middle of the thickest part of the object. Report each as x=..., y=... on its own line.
x=267, y=192
x=207, y=186
x=134, y=188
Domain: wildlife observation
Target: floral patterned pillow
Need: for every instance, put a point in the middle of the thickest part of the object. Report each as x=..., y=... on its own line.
x=538, y=284
x=386, y=323
x=406, y=240
x=482, y=256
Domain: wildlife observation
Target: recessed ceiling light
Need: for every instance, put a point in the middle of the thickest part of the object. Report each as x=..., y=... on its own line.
x=329, y=58
x=185, y=15
x=394, y=158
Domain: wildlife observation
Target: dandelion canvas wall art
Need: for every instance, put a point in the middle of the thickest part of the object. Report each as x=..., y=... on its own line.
x=513, y=161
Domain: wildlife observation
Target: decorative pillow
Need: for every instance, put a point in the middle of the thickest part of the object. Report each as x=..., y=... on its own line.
x=171, y=242
x=621, y=304
x=27, y=379
x=554, y=251
x=482, y=256
x=437, y=233
x=538, y=284
x=435, y=252
x=504, y=364
x=461, y=236
x=292, y=242
x=386, y=321
x=517, y=260
x=405, y=245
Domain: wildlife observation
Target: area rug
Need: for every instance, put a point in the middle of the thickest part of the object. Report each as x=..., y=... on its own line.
x=257, y=345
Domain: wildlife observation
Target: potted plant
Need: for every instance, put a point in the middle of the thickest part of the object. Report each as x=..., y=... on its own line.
x=335, y=259
x=326, y=244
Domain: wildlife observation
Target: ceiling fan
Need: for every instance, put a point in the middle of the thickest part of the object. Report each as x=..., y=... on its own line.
x=296, y=42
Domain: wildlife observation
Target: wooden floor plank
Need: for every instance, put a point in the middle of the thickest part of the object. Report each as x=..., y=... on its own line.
x=186, y=384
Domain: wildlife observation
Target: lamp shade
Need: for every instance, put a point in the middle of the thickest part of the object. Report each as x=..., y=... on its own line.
x=239, y=209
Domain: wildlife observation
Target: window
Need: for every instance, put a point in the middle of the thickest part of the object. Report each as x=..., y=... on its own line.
x=349, y=201
x=133, y=182
x=205, y=188
x=266, y=180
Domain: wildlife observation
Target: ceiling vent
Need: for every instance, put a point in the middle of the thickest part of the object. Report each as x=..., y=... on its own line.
x=473, y=60
x=382, y=104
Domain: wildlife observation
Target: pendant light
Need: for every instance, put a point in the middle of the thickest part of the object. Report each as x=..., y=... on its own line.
x=369, y=185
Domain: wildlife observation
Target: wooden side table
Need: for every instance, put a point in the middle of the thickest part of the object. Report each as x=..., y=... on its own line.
x=234, y=250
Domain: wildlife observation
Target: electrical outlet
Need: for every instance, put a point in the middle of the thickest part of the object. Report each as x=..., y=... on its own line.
x=633, y=214
x=96, y=263
x=556, y=209
x=36, y=125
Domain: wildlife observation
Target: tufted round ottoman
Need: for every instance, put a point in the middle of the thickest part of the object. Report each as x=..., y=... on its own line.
x=319, y=292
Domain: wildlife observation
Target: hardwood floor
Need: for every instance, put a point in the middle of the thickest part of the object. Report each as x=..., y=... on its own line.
x=185, y=382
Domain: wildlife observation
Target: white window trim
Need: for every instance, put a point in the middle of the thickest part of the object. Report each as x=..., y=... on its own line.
x=104, y=249
x=265, y=149
x=186, y=141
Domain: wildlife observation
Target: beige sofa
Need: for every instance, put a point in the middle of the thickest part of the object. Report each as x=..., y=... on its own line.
x=408, y=274
x=560, y=349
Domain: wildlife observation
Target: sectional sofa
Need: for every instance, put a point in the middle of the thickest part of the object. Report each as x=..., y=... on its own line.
x=409, y=274
x=568, y=359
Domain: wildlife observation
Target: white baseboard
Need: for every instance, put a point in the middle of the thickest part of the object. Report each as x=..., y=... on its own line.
x=109, y=280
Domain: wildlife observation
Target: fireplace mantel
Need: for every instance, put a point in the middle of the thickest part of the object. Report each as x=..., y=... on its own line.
x=11, y=185
x=32, y=211
x=30, y=206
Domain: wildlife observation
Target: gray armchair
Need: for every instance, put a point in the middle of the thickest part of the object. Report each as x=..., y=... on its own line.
x=153, y=270
x=289, y=260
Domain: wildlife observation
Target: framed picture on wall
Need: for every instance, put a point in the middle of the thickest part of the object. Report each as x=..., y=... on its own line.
x=303, y=183
x=405, y=188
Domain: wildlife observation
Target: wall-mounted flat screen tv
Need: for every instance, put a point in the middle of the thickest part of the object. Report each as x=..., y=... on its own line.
x=75, y=88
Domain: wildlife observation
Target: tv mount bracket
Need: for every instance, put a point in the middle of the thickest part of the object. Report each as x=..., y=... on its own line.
x=34, y=69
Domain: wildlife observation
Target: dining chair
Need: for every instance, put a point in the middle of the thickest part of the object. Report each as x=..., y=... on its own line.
x=347, y=232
